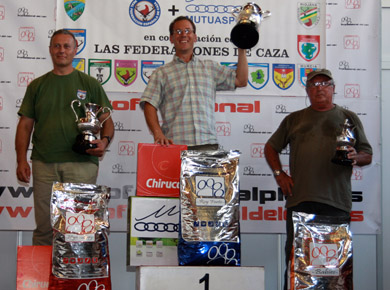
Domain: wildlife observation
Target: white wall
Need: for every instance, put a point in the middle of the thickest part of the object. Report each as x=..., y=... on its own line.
x=383, y=250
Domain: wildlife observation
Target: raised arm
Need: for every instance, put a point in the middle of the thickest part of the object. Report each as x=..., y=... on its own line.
x=242, y=69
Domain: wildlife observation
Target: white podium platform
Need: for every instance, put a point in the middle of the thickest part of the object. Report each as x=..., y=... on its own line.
x=199, y=278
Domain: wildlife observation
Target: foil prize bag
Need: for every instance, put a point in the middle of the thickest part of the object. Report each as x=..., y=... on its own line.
x=79, y=217
x=322, y=253
x=209, y=232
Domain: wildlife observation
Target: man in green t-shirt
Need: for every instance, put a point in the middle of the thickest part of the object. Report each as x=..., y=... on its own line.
x=316, y=185
x=46, y=114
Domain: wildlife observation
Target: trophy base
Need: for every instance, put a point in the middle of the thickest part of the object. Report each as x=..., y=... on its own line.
x=341, y=158
x=82, y=144
x=244, y=35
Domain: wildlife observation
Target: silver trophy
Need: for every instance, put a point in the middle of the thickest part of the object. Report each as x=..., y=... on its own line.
x=88, y=126
x=245, y=34
x=345, y=139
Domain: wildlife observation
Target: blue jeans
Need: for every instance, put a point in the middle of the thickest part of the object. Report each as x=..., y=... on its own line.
x=44, y=174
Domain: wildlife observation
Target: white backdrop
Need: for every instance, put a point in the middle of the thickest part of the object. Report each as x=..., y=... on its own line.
x=117, y=37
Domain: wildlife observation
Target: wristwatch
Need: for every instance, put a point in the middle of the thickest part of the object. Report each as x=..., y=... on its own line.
x=108, y=139
x=277, y=172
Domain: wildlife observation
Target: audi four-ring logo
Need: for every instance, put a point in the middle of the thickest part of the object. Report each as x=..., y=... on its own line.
x=211, y=8
x=156, y=227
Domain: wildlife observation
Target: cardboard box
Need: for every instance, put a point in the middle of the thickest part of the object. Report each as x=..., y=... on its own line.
x=33, y=267
x=158, y=170
x=153, y=230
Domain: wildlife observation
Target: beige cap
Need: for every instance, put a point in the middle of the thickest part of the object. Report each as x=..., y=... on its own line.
x=321, y=71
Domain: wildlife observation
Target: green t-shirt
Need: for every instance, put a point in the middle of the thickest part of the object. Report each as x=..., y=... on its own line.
x=48, y=101
x=312, y=138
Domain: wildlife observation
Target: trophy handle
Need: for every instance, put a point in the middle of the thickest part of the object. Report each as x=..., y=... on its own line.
x=266, y=14
x=108, y=109
x=74, y=111
x=235, y=10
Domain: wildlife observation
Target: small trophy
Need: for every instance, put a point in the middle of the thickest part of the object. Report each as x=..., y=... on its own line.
x=88, y=126
x=245, y=33
x=342, y=141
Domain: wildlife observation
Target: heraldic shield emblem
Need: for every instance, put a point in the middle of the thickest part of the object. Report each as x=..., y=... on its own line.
x=309, y=14
x=148, y=67
x=74, y=9
x=308, y=46
x=258, y=75
x=80, y=35
x=126, y=71
x=283, y=75
x=100, y=69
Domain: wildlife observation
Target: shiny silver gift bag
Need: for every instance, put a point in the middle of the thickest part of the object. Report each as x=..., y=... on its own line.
x=322, y=253
x=209, y=209
x=79, y=217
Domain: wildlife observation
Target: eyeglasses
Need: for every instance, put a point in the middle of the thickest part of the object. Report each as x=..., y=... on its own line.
x=65, y=46
x=186, y=31
x=322, y=84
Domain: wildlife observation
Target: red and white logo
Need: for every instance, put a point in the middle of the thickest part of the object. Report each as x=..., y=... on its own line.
x=323, y=254
x=158, y=170
x=257, y=150
x=33, y=267
x=238, y=107
x=79, y=227
x=93, y=284
x=223, y=128
x=351, y=42
x=1, y=54
x=25, y=78
x=80, y=223
x=352, y=91
x=357, y=173
x=126, y=148
x=1, y=103
x=353, y=4
x=2, y=12
x=26, y=34
x=328, y=21
x=125, y=105
x=79, y=260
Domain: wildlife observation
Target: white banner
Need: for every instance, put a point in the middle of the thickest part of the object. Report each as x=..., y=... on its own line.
x=123, y=53
x=245, y=119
